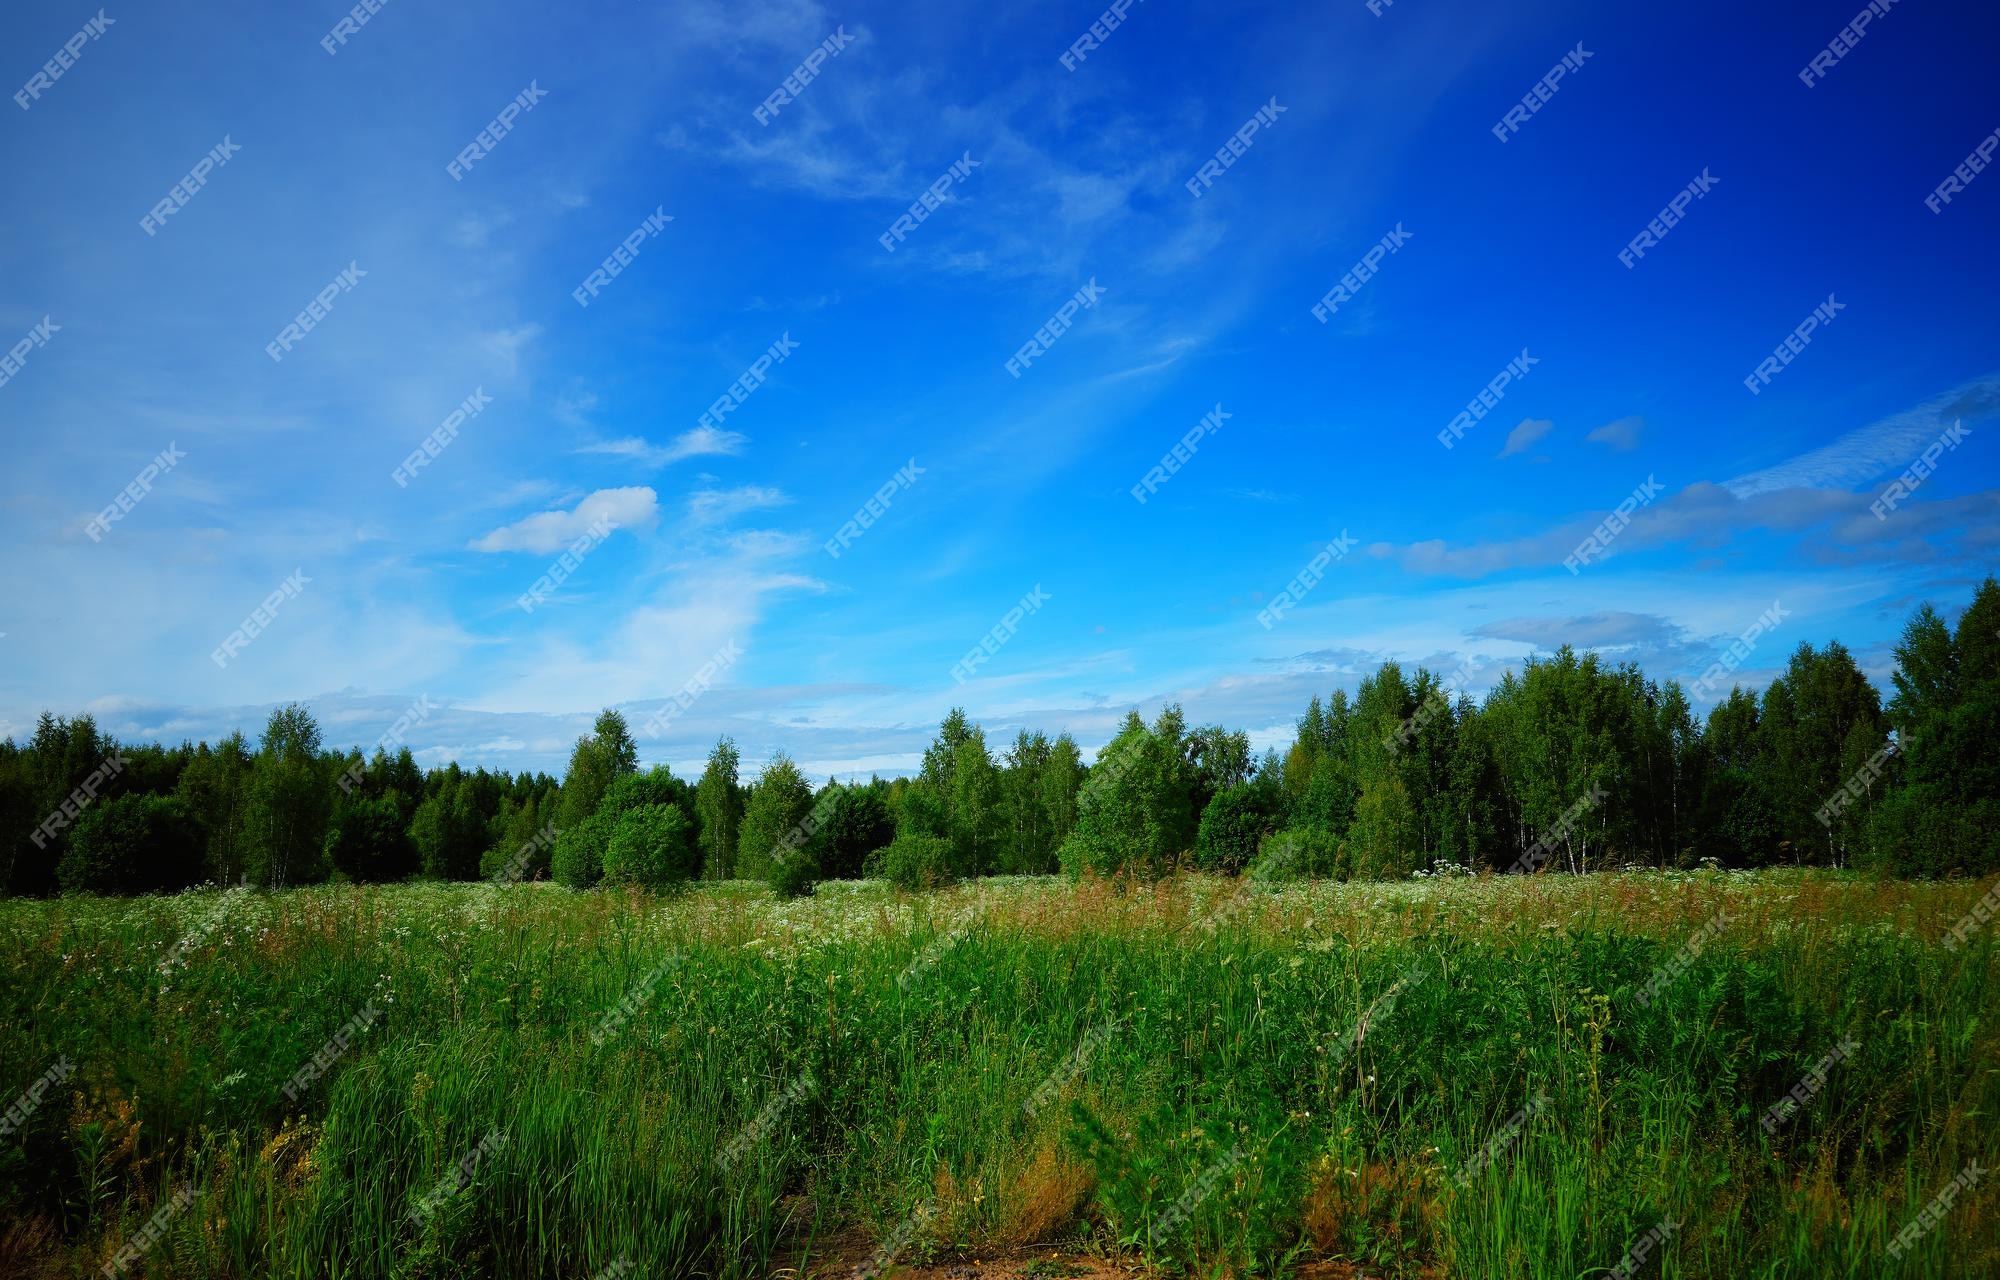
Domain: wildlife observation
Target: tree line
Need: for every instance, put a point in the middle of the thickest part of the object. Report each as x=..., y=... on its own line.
x=1569, y=764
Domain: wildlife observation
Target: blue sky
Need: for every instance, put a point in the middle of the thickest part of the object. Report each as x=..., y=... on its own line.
x=1026, y=482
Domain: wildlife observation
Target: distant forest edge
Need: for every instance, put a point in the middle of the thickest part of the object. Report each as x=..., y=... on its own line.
x=1569, y=765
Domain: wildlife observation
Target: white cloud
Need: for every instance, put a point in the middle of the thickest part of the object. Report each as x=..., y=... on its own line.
x=770, y=544
x=573, y=410
x=1866, y=453
x=712, y=505
x=508, y=344
x=705, y=440
x=1530, y=430
x=1622, y=435
x=689, y=444
x=473, y=232
x=548, y=531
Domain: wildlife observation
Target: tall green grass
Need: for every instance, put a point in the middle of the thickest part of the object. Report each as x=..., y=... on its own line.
x=927, y=1023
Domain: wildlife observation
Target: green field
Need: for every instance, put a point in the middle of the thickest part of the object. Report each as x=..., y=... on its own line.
x=1163, y=1075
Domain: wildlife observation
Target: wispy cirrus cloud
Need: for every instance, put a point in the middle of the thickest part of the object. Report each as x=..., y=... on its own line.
x=1865, y=453
x=1622, y=435
x=701, y=441
x=1834, y=525
x=508, y=344
x=713, y=506
x=1610, y=629
x=1524, y=435
x=637, y=507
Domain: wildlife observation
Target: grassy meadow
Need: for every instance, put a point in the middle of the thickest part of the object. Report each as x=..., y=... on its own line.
x=1455, y=1077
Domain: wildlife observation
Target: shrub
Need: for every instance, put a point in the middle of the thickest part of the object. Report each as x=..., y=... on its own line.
x=1102, y=852
x=793, y=872
x=1233, y=825
x=652, y=845
x=914, y=862
x=1298, y=853
x=578, y=860
x=522, y=849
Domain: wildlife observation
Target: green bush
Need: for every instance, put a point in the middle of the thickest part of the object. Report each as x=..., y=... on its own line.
x=1101, y=852
x=914, y=862
x=652, y=846
x=1299, y=853
x=578, y=860
x=793, y=872
x=1233, y=825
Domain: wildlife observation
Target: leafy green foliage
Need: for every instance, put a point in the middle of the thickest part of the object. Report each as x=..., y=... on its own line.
x=1135, y=812
x=1572, y=763
x=1235, y=823
x=1300, y=853
x=853, y=823
x=577, y=861
x=1942, y=817
x=914, y=862
x=653, y=846
x=369, y=841
x=795, y=874
x=719, y=803
x=290, y=799
x=132, y=844
x=773, y=821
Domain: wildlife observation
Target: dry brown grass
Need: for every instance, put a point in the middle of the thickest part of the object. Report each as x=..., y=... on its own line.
x=1396, y=1199
x=1040, y=1201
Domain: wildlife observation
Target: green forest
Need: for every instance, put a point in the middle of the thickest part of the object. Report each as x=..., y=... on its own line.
x=1569, y=765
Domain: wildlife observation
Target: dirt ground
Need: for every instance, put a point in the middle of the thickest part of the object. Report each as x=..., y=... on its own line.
x=838, y=1260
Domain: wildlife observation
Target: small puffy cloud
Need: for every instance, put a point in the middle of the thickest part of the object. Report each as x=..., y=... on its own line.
x=688, y=444
x=1622, y=435
x=631, y=508
x=1530, y=430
